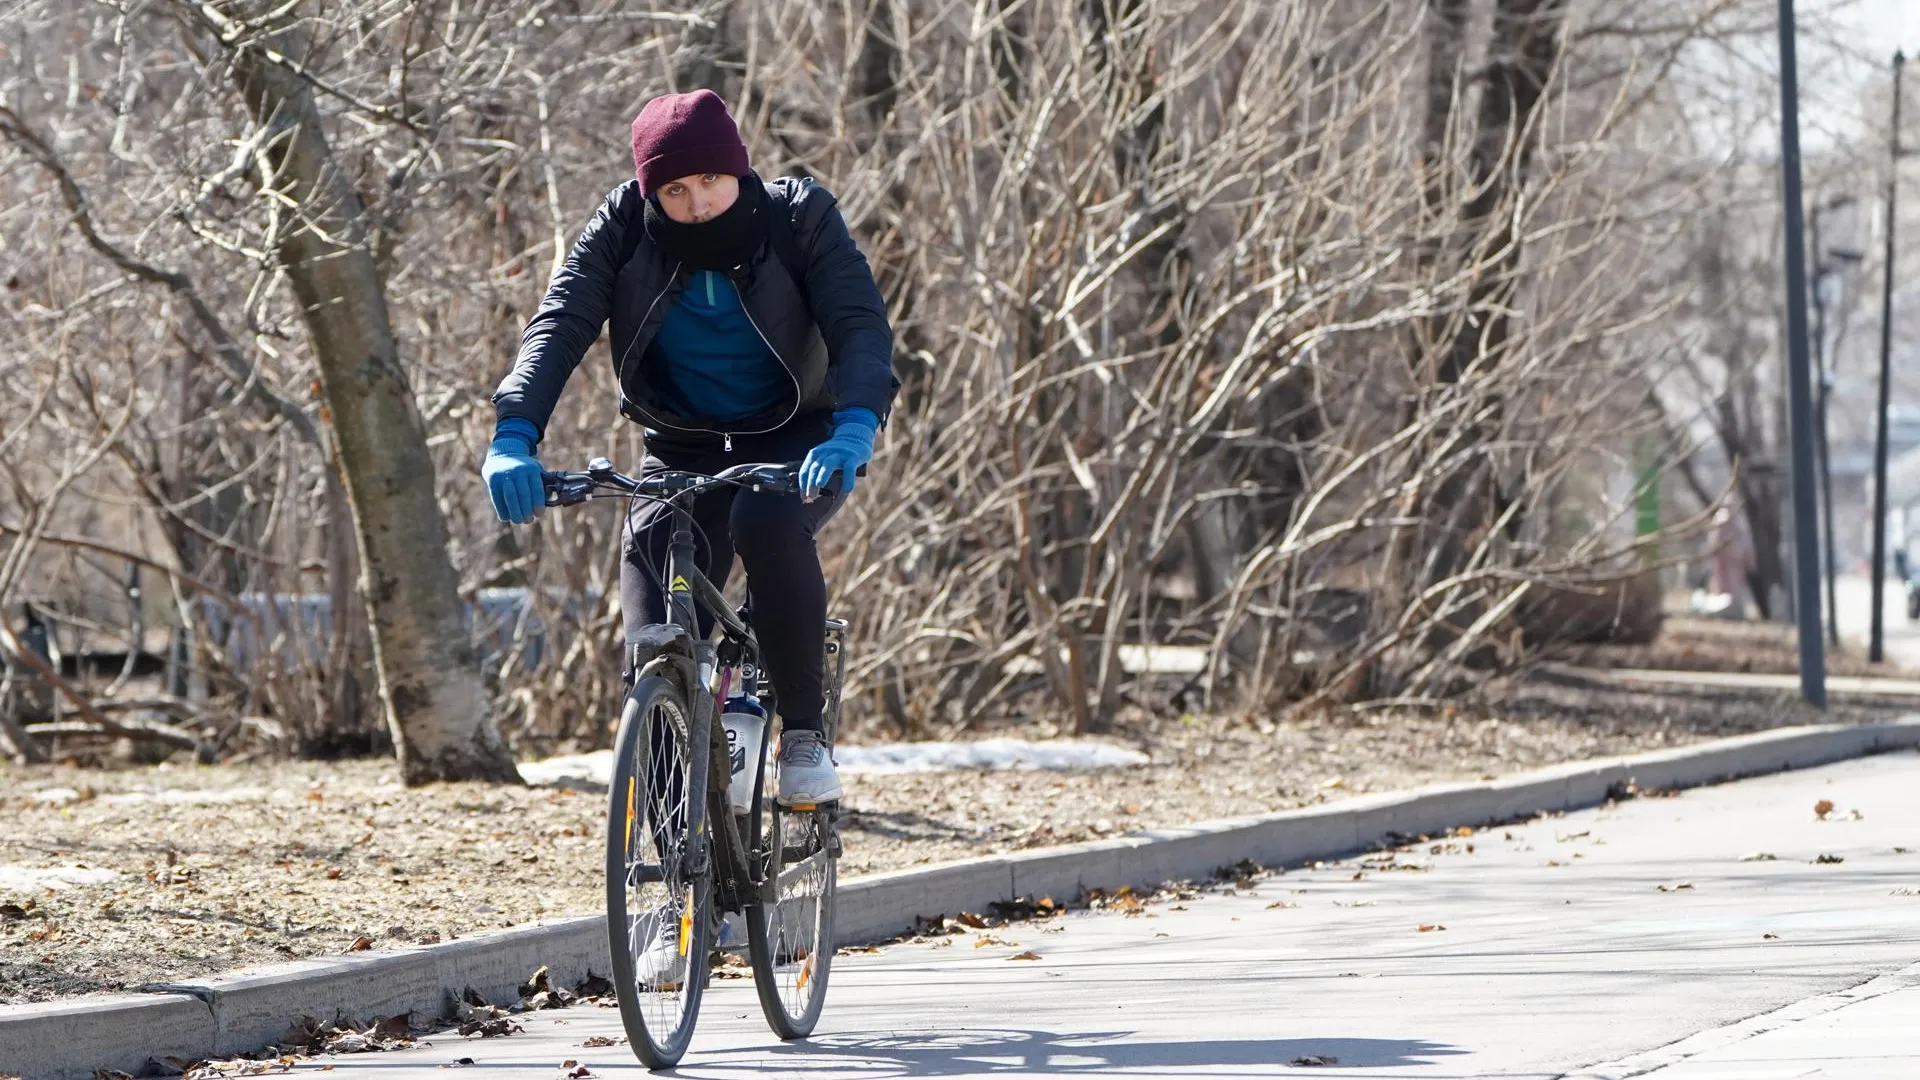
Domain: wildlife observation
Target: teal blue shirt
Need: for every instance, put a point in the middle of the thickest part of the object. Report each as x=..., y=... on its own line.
x=715, y=365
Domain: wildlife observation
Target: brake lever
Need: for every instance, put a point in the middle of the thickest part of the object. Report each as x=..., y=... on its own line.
x=778, y=479
x=563, y=490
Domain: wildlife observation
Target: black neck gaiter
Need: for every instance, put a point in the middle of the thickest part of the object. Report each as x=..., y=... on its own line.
x=720, y=243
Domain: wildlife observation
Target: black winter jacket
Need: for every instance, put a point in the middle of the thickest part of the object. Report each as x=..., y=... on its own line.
x=832, y=337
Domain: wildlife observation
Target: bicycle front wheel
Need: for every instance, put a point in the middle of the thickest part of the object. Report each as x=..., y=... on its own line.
x=790, y=939
x=659, y=872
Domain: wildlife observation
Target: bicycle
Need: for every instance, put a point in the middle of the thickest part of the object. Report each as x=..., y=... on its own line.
x=777, y=866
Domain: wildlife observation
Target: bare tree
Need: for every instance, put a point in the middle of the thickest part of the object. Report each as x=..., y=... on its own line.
x=1317, y=339
x=429, y=682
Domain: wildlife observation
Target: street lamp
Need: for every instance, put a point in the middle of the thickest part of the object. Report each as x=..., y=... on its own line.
x=1813, y=656
x=1876, y=639
x=1825, y=274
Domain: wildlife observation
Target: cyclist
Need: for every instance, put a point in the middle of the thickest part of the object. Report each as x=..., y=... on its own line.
x=746, y=327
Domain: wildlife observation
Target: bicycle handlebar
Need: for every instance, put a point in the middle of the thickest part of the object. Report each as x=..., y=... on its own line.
x=570, y=488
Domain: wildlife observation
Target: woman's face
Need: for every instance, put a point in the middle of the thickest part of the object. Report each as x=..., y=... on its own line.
x=691, y=200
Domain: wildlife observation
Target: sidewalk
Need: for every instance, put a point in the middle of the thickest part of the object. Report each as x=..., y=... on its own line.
x=1697, y=932
x=1866, y=1033
x=1878, y=1039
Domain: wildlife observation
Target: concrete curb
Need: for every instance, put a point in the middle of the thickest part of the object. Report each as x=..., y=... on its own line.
x=235, y=1013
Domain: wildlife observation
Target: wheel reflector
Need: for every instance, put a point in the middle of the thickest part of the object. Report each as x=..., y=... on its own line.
x=629, y=833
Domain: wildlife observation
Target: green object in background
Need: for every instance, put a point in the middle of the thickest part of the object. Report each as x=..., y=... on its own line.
x=1647, y=502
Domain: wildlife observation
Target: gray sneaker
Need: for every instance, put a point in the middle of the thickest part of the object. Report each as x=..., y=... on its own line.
x=806, y=771
x=660, y=964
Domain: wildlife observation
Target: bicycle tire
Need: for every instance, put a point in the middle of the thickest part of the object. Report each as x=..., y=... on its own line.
x=636, y=915
x=790, y=973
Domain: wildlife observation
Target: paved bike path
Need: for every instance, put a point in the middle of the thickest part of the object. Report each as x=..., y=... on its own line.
x=1560, y=953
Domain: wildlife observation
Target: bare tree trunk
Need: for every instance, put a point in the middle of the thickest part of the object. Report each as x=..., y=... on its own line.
x=1523, y=52
x=430, y=685
x=706, y=52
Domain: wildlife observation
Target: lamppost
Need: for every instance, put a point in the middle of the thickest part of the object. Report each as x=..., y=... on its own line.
x=1813, y=654
x=1876, y=639
x=1826, y=273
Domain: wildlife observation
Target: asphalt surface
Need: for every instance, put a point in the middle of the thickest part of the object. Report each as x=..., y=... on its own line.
x=1681, y=938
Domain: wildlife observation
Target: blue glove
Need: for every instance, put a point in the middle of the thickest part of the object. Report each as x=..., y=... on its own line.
x=512, y=474
x=850, y=447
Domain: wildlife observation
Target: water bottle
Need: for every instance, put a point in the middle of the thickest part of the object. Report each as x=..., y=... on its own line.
x=745, y=721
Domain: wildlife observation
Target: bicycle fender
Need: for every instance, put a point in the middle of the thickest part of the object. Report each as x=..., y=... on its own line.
x=653, y=649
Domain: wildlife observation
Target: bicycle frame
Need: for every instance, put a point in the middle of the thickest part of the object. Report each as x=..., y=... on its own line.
x=736, y=879
x=730, y=862
x=740, y=877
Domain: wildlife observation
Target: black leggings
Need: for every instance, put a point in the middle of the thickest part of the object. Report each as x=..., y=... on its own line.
x=774, y=537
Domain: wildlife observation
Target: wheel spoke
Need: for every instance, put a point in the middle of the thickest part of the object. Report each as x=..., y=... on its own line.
x=794, y=952
x=651, y=886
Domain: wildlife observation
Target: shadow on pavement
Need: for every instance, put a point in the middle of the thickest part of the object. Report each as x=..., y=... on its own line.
x=967, y=1052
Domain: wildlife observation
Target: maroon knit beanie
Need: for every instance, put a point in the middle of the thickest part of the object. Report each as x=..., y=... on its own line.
x=685, y=135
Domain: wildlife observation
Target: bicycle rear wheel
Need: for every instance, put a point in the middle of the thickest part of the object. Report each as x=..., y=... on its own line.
x=790, y=940
x=659, y=872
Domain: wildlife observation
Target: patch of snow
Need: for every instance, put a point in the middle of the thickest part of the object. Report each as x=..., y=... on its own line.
x=189, y=797
x=913, y=757
x=61, y=796
x=27, y=878
x=1052, y=755
x=1134, y=660
x=593, y=768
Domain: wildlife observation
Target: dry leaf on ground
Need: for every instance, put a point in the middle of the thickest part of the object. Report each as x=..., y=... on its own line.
x=1822, y=808
x=397, y=1026
x=348, y=1042
x=1028, y=955
x=488, y=1029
